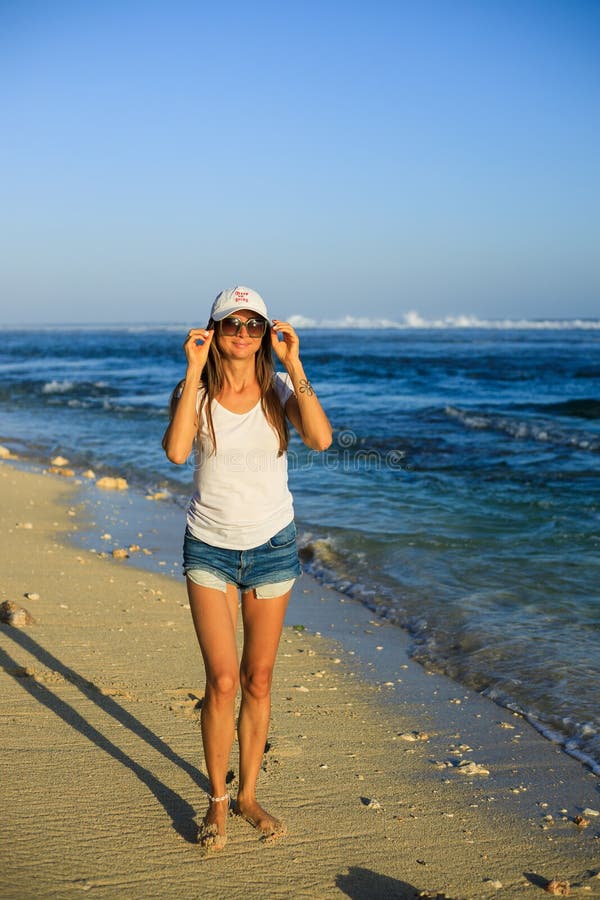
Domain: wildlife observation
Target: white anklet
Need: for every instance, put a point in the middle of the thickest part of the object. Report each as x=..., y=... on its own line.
x=218, y=799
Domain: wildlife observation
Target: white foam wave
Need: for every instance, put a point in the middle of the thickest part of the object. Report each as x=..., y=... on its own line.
x=522, y=430
x=586, y=736
x=57, y=387
x=413, y=319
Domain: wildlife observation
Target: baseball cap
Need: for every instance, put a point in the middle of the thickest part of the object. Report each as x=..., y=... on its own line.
x=233, y=299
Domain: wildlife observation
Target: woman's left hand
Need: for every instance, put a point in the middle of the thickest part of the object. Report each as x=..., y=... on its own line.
x=288, y=349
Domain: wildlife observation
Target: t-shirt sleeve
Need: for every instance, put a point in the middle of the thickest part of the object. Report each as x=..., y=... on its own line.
x=283, y=386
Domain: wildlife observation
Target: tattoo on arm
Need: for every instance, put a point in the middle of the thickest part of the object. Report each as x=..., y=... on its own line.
x=306, y=387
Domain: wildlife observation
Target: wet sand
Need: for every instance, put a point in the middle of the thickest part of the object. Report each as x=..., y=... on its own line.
x=377, y=768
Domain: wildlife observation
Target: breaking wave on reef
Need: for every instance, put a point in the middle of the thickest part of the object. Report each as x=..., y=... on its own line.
x=413, y=319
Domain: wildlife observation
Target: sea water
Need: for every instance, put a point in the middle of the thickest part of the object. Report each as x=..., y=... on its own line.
x=459, y=499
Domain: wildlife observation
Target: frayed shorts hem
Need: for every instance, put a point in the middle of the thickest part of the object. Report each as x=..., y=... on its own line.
x=207, y=579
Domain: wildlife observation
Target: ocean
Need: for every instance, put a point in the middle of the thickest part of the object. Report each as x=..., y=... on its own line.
x=460, y=498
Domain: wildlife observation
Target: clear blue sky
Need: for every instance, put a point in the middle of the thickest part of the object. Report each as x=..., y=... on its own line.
x=341, y=158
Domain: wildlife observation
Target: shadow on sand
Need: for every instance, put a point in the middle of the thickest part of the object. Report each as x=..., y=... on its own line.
x=179, y=810
x=364, y=884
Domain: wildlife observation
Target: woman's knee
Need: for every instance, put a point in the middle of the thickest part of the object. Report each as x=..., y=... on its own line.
x=256, y=681
x=222, y=685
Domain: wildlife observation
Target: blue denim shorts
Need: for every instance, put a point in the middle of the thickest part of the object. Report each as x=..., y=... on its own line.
x=272, y=562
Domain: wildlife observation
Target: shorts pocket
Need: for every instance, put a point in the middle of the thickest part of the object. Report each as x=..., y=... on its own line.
x=285, y=537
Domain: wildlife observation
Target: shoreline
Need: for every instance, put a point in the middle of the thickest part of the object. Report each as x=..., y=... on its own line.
x=100, y=699
x=121, y=512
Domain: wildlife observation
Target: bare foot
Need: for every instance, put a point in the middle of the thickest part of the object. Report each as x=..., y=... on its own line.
x=270, y=827
x=212, y=832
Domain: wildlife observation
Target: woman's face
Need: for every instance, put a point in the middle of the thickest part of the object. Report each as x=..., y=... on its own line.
x=240, y=345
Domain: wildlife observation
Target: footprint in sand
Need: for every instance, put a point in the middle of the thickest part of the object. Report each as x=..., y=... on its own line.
x=50, y=676
x=186, y=701
x=42, y=676
x=113, y=692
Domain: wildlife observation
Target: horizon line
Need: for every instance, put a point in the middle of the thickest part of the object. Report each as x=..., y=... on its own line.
x=411, y=320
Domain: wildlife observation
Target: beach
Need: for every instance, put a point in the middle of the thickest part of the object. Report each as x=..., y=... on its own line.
x=458, y=499
x=392, y=781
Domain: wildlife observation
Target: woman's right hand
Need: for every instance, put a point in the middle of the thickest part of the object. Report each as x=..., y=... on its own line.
x=197, y=354
x=181, y=431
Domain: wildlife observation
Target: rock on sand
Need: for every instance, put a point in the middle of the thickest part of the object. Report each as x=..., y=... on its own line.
x=15, y=615
x=59, y=461
x=112, y=484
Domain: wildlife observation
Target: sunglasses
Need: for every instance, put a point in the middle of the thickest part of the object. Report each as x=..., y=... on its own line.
x=231, y=326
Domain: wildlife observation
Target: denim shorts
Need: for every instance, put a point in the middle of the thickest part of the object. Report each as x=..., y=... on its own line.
x=270, y=563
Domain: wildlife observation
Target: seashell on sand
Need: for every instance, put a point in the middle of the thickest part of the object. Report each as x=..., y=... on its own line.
x=120, y=553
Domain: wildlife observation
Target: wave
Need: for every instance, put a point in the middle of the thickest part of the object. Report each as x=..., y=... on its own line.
x=408, y=320
x=57, y=387
x=97, y=395
x=326, y=560
x=413, y=319
x=523, y=430
x=66, y=386
x=579, y=739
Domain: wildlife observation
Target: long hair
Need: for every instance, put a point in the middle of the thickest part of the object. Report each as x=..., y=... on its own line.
x=212, y=380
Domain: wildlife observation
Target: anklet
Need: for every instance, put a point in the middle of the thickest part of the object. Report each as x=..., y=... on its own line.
x=218, y=799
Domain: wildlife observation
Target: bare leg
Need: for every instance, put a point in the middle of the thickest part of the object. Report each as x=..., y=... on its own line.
x=215, y=618
x=263, y=621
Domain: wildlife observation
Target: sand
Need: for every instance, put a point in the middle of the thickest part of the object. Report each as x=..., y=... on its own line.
x=377, y=767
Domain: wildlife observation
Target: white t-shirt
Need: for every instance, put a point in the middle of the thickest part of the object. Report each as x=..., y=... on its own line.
x=241, y=496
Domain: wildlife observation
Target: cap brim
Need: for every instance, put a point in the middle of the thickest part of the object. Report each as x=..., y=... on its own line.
x=234, y=309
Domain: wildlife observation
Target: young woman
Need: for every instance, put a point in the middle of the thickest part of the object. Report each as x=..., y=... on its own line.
x=231, y=410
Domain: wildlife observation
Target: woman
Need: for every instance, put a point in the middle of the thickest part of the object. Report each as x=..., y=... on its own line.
x=231, y=409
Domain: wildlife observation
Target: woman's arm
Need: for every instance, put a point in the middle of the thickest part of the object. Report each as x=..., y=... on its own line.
x=181, y=431
x=303, y=410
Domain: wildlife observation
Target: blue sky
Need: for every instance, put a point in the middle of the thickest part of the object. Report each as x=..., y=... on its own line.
x=342, y=158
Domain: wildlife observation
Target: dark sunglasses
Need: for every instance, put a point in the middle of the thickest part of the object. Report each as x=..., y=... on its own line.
x=231, y=326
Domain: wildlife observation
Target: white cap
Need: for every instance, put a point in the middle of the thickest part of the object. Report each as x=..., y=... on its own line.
x=233, y=299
